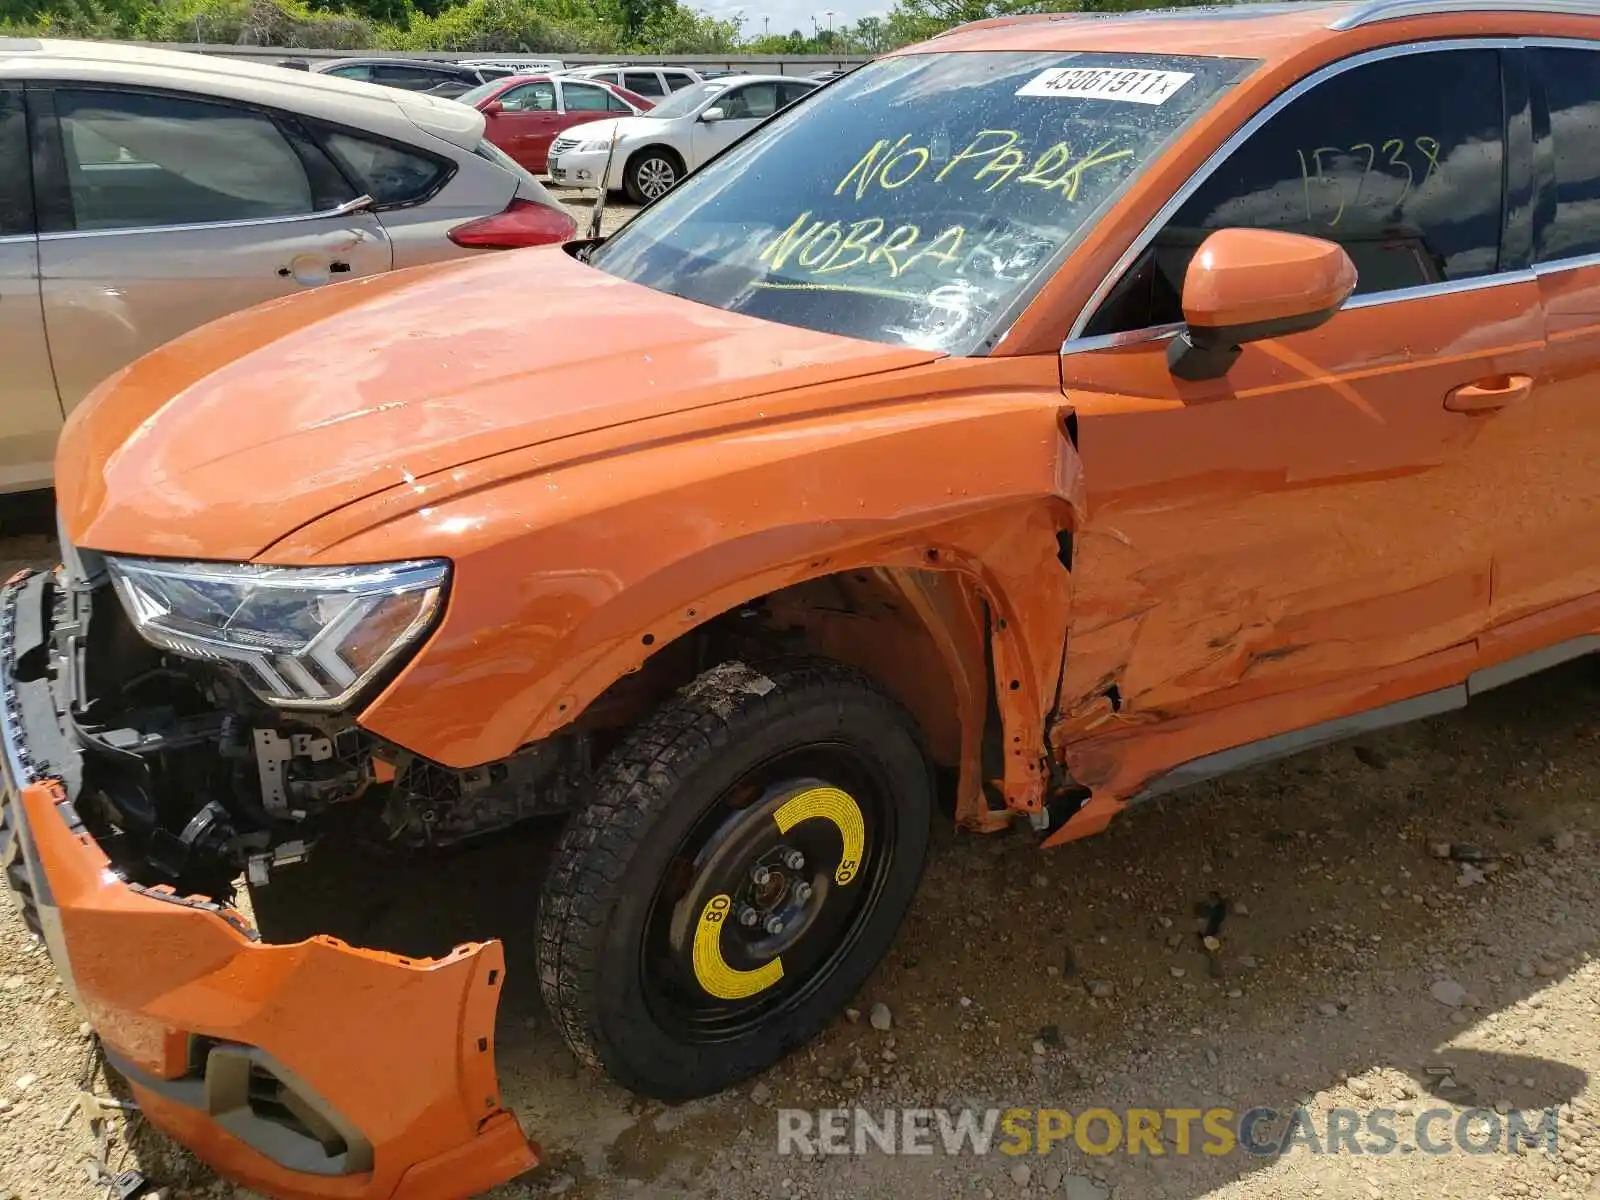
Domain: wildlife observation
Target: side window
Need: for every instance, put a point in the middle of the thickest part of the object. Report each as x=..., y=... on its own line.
x=754, y=100
x=583, y=97
x=616, y=104
x=359, y=71
x=788, y=93
x=16, y=175
x=646, y=83
x=1398, y=160
x=677, y=80
x=530, y=97
x=404, y=75
x=137, y=160
x=1572, y=85
x=390, y=174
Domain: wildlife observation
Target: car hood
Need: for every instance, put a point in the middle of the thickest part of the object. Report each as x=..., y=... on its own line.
x=225, y=440
x=623, y=128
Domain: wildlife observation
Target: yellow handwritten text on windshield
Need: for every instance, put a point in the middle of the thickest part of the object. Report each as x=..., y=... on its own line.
x=825, y=248
x=993, y=156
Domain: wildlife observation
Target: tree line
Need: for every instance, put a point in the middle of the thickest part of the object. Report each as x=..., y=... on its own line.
x=525, y=26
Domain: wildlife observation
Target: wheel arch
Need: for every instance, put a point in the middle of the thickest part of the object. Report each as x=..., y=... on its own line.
x=578, y=588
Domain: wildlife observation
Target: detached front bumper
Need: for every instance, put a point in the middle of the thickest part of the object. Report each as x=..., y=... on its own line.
x=307, y=1070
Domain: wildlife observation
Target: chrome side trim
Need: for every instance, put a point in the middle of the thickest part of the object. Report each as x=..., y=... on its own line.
x=1395, y=10
x=1448, y=288
x=17, y=238
x=1486, y=678
x=193, y=226
x=1240, y=135
x=1225, y=762
x=1557, y=265
x=1128, y=337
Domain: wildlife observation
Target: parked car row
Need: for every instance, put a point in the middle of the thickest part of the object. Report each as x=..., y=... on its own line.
x=651, y=152
x=164, y=190
x=524, y=114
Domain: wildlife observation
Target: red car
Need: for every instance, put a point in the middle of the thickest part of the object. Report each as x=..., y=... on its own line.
x=525, y=112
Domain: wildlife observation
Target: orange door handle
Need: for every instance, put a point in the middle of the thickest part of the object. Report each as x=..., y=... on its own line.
x=1486, y=395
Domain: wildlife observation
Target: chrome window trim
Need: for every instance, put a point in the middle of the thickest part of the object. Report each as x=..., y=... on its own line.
x=1449, y=287
x=1242, y=134
x=1557, y=265
x=1374, y=11
x=192, y=226
x=8, y=239
x=1127, y=337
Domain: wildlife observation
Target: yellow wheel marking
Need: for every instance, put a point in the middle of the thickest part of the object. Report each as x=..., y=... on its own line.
x=831, y=805
x=713, y=972
x=710, y=968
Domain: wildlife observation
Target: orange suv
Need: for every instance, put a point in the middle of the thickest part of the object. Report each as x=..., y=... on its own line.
x=1085, y=405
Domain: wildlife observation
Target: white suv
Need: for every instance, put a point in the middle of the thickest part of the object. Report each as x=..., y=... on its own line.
x=650, y=82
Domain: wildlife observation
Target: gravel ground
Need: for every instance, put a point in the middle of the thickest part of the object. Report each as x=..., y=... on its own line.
x=1411, y=924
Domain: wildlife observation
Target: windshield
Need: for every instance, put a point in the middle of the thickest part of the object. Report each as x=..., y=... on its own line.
x=918, y=199
x=683, y=102
x=482, y=92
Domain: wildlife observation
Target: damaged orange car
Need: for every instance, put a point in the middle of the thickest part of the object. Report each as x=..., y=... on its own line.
x=1083, y=405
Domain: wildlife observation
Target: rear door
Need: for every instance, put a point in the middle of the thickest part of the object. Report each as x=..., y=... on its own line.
x=30, y=410
x=1545, y=444
x=159, y=212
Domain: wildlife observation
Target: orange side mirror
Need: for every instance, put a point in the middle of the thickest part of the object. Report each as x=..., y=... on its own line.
x=1244, y=285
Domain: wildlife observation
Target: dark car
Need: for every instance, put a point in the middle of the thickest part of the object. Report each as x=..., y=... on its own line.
x=413, y=75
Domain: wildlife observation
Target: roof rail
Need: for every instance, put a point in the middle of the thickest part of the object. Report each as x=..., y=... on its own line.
x=1018, y=19
x=1369, y=12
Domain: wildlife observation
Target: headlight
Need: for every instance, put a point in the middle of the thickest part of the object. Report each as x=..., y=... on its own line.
x=597, y=144
x=299, y=637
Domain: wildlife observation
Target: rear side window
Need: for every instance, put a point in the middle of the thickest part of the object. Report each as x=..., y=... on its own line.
x=1572, y=84
x=755, y=100
x=646, y=83
x=1398, y=160
x=409, y=77
x=581, y=97
x=356, y=71
x=16, y=178
x=677, y=79
x=788, y=93
x=390, y=174
x=137, y=160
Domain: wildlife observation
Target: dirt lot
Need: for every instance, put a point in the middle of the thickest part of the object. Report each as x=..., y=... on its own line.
x=1360, y=966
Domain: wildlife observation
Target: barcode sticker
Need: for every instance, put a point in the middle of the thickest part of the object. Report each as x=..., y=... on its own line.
x=1106, y=83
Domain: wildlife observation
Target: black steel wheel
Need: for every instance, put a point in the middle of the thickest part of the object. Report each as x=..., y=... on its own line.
x=744, y=865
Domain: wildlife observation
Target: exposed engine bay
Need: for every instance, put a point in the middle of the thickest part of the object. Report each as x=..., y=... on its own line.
x=188, y=779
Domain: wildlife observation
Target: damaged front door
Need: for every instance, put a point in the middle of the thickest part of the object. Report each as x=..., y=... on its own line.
x=1305, y=518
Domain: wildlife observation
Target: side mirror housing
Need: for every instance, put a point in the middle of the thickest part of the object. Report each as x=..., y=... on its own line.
x=712, y=114
x=1244, y=285
x=493, y=108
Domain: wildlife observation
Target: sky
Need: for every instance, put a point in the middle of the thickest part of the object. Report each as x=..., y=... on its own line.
x=793, y=14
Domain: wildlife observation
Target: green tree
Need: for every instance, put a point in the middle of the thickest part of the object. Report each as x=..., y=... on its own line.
x=870, y=35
